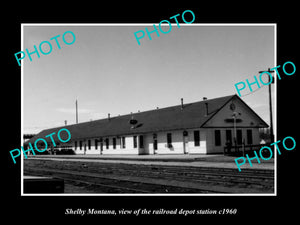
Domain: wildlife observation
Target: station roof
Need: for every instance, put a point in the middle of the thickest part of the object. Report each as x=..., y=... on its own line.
x=192, y=115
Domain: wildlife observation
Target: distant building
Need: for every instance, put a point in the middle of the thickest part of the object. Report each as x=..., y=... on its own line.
x=203, y=127
x=27, y=137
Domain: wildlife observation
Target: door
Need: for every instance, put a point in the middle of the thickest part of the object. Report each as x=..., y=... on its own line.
x=154, y=143
x=141, y=144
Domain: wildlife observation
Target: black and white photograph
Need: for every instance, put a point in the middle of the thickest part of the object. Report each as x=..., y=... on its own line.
x=144, y=112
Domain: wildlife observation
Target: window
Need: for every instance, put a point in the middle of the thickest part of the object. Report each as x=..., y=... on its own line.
x=123, y=142
x=80, y=145
x=96, y=144
x=196, y=137
x=239, y=137
x=134, y=142
x=249, y=137
x=141, y=141
x=75, y=145
x=107, y=143
x=228, y=136
x=169, y=140
x=114, y=143
x=217, y=138
x=155, y=141
x=89, y=144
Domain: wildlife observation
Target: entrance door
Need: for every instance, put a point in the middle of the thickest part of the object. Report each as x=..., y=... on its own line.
x=141, y=144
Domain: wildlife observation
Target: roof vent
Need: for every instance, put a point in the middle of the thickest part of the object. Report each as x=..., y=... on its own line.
x=204, y=98
x=181, y=103
x=132, y=122
x=206, y=109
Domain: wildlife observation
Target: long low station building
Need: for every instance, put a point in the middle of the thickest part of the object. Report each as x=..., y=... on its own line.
x=203, y=127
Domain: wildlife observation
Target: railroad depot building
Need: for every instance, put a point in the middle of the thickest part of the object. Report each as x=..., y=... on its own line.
x=203, y=127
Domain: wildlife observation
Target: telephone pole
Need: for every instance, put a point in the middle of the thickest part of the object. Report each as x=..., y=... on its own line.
x=76, y=112
x=270, y=105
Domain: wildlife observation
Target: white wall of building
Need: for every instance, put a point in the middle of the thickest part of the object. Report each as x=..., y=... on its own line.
x=178, y=142
x=207, y=143
x=177, y=145
x=117, y=149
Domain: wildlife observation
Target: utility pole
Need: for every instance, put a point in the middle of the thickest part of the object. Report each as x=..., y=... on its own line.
x=76, y=112
x=270, y=105
x=234, y=131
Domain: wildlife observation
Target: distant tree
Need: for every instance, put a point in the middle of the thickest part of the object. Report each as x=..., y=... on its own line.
x=264, y=134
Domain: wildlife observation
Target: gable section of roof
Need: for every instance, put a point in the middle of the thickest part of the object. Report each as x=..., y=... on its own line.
x=259, y=121
x=264, y=124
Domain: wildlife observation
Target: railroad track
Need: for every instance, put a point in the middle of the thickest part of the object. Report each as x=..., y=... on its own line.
x=190, y=171
x=114, y=184
x=187, y=179
x=208, y=177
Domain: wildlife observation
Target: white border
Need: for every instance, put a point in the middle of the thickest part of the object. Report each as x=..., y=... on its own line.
x=151, y=24
x=22, y=101
x=275, y=109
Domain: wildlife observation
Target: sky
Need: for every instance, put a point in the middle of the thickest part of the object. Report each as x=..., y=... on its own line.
x=108, y=72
